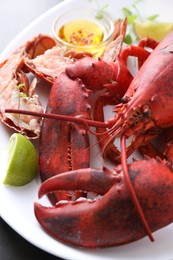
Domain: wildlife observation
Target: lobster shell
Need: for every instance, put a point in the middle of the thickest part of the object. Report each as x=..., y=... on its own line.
x=112, y=219
x=61, y=143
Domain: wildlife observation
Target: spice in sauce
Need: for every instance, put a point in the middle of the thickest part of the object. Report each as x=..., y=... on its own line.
x=81, y=33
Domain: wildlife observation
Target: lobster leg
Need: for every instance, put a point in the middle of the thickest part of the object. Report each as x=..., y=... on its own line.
x=169, y=152
x=149, y=43
x=111, y=152
x=112, y=219
x=135, y=51
x=150, y=151
x=165, y=146
x=61, y=143
x=167, y=139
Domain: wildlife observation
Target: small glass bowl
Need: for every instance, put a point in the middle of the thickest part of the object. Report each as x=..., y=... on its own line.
x=104, y=22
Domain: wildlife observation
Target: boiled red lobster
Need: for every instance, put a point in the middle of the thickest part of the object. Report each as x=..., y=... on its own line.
x=136, y=199
x=139, y=117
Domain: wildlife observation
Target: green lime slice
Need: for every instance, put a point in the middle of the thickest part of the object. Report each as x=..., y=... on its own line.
x=22, y=161
x=152, y=29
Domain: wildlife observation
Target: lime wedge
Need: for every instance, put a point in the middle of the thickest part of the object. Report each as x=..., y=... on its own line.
x=22, y=161
x=152, y=29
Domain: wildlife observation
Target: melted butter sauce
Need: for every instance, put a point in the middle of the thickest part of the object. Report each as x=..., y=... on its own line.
x=81, y=33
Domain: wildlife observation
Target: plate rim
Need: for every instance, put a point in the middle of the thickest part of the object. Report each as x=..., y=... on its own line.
x=3, y=54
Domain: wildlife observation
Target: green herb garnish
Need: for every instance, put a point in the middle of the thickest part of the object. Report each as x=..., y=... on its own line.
x=20, y=94
x=100, y=9
x=133, y=14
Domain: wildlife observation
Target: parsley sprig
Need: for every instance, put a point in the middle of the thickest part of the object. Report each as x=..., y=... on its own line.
x=133, y=13
x=20, y=94
x=100, y=9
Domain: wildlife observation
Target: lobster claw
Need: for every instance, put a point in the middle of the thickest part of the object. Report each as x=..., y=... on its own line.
x=111, y=219
x=72, y=217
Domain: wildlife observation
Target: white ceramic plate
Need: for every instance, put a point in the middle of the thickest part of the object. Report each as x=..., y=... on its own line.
x=16, y=204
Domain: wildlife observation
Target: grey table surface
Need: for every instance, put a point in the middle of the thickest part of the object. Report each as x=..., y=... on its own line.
x=15, y=15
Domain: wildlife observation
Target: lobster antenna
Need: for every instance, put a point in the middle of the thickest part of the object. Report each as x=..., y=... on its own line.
x=131, y=189
x=73, y=119
x=78, y=120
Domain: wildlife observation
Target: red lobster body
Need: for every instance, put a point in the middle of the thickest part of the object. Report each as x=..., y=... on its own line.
x=154, y=83
x=62, y=143
x=149, y=107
